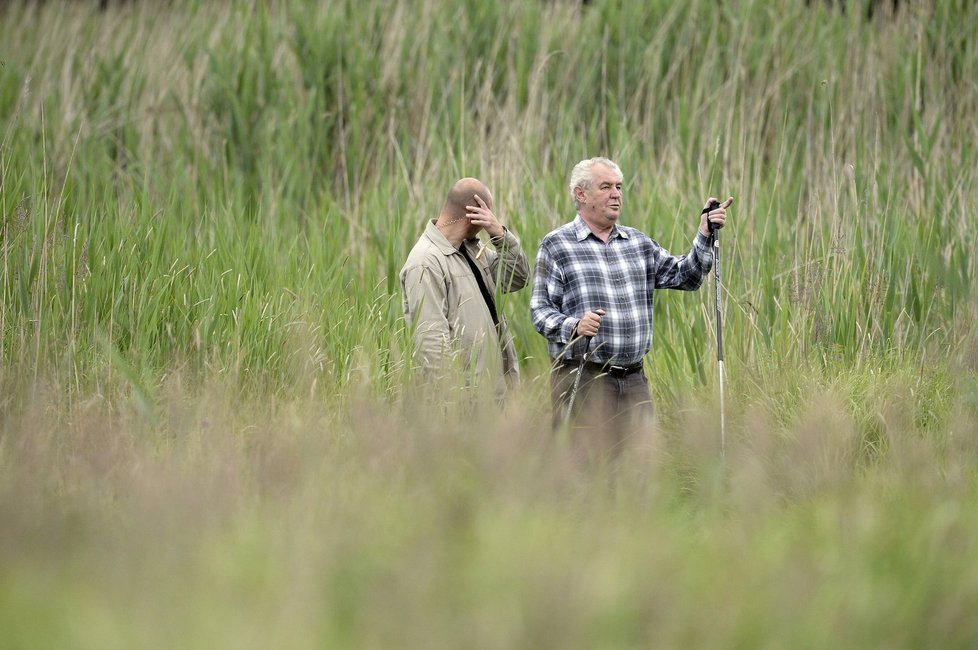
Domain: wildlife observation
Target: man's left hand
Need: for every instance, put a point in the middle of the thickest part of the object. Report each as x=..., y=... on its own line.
x=480, y=215
x=717, y=216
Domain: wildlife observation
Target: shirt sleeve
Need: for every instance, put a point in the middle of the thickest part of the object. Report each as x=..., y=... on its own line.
x=547, y=298
x=425, y=296
x=508, y=265
x=685, y=272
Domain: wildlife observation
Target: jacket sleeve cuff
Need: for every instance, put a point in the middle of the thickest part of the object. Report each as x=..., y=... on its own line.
x=507, y=237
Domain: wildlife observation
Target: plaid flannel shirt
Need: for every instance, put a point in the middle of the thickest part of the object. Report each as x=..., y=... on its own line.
x=577, y=272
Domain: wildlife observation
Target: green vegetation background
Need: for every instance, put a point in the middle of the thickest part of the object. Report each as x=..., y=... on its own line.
x=208, y=433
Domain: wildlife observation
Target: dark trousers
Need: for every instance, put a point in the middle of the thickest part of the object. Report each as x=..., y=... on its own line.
x=608, y=410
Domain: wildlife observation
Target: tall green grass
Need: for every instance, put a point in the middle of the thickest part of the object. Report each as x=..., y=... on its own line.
x=208, y=406
x=177, y=180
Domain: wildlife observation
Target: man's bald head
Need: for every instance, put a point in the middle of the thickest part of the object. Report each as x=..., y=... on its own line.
x=463, y=193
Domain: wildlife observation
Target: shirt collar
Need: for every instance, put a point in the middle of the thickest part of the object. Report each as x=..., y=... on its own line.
x=581, y=230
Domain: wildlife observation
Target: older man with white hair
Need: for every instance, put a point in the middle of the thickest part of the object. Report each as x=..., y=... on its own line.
x=592, y=301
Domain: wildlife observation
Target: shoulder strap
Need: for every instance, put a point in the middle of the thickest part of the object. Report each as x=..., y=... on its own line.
x=490, y=303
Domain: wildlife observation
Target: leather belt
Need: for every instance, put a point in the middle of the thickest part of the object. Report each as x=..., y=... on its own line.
x=617, y=372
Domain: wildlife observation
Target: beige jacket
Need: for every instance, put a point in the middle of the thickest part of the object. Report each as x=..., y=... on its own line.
x=442, y=301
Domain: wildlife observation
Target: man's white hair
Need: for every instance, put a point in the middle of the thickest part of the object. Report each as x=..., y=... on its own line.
x=583, y=174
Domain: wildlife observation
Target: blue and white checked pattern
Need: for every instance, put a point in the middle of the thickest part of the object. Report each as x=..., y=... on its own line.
x=577, y=272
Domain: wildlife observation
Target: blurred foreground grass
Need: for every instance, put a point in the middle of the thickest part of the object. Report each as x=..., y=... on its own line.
x=291, y=524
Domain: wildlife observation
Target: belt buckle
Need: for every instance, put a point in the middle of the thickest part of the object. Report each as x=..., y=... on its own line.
x=617, y=371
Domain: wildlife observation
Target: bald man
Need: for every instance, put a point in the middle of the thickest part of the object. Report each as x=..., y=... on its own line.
x=450, y=286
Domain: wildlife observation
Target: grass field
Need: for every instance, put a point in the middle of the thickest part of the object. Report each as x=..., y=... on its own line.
x=209, y=431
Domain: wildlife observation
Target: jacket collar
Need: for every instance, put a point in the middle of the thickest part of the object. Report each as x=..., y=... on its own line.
x=440, y=241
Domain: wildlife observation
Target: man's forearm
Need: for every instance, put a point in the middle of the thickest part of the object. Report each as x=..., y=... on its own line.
x=513, y=268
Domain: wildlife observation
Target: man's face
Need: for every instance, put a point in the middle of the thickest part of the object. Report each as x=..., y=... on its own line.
x=600, y=204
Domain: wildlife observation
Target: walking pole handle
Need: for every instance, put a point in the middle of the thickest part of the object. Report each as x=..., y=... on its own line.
x=713, y=205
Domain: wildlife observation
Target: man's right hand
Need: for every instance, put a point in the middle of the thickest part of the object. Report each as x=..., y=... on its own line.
x=714, y=215
x=589, y=323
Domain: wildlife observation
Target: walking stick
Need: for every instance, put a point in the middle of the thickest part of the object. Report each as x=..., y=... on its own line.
x=715, y=240
x=577, y=381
